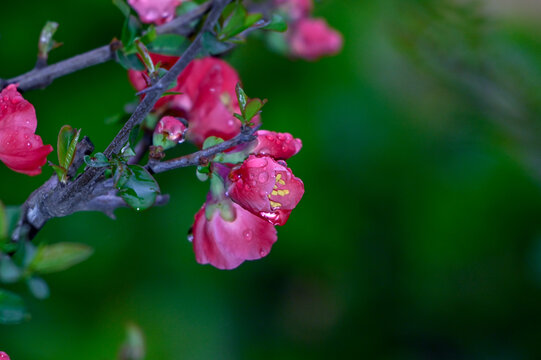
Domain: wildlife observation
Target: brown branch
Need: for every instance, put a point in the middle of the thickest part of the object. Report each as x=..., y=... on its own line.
x=91, y=191
x=41, y=77
x=202, y=156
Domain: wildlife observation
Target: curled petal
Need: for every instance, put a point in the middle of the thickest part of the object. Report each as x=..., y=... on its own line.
x=280, y=146
x=227, y=244
x=20, y=148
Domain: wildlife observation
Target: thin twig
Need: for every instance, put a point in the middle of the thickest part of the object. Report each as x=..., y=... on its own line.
x=44, y=76
x=202, y=156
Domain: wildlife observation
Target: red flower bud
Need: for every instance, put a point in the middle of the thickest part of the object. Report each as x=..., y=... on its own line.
x=295, y=9
x=313, y=38
x=4, y=356
x=168, y=132
x=227, y=244
x=266, y=188
x=155, y=11
x=280, y=146
x=20, y=148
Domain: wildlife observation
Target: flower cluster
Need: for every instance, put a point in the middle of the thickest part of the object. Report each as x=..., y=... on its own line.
x=308, y=38
x=207, y=97
x=236, y=223
x=20, y=148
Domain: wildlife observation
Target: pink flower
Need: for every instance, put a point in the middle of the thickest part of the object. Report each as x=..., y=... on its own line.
x=4, y=356
x=169, y=132
x=266, y=188
x=280, y=146
x=313, y=38
x=208, y=98
x=155, y=11
x=20, y=148
x=209, y=84
x=227, y=244
x=295, y=9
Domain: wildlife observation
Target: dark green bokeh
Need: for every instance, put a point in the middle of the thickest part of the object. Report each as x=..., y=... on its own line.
x=417, y=238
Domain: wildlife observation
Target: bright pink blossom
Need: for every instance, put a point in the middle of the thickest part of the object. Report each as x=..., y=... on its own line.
x=4, y=356
x=266, y=188
x=208, y=99
x=280, y=146
x=171, y=128
x=295, y=9
x=313, y=38
x=155, y=11
x=20, y=148
x=168, y=132
x=227, y=244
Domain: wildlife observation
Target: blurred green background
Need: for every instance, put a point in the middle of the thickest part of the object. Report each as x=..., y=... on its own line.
x=418, y=236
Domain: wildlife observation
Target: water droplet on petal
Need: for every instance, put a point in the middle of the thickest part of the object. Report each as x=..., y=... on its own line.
x=270, y=137
x=190, y=237
x=262, y=252
x=248, y=234
x=16, y=100
x=230, y=122
x=29, y=146
x=263, y=177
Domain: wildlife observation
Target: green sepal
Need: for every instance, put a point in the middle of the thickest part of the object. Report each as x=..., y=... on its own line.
x=136, y=186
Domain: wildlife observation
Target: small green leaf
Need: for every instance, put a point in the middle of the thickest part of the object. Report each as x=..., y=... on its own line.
x=9, y=272
x=59, y=256
x=277, y=23
x=253, y=108
x=251, y=19
x=211, y=141
x=98, y=160
x=129, y=61
x=213, y=46
x=150, y=35
x=12, y=309
x=123, y=7
x=65, y=136
x=145, y=56
x=169, y=44
x=38, y=287
x=231, y=158
x=242, y=98
x=46, y=42
x=136, y=186
x=235, y=23
x=129, y=34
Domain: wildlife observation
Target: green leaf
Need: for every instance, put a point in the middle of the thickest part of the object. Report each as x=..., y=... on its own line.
x=169, y=44
x=213, y=46
x=68, y=138
x=98, y=160
x=123, y=7
x=136, y=186
x=12, y=309
x=251, y=19
x=253, y=108
x=235, y=23
x=242, y=98
x=150, y=35
x=129, y=61
x=211, y=141
x=59, y=256
x=231, y=158
x=129, y=34
x=9, y=272
x=38, y=287
x=9, y=215
x=277, y=23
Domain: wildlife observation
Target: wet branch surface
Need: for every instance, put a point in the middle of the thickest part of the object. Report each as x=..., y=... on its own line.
x=91, y=190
